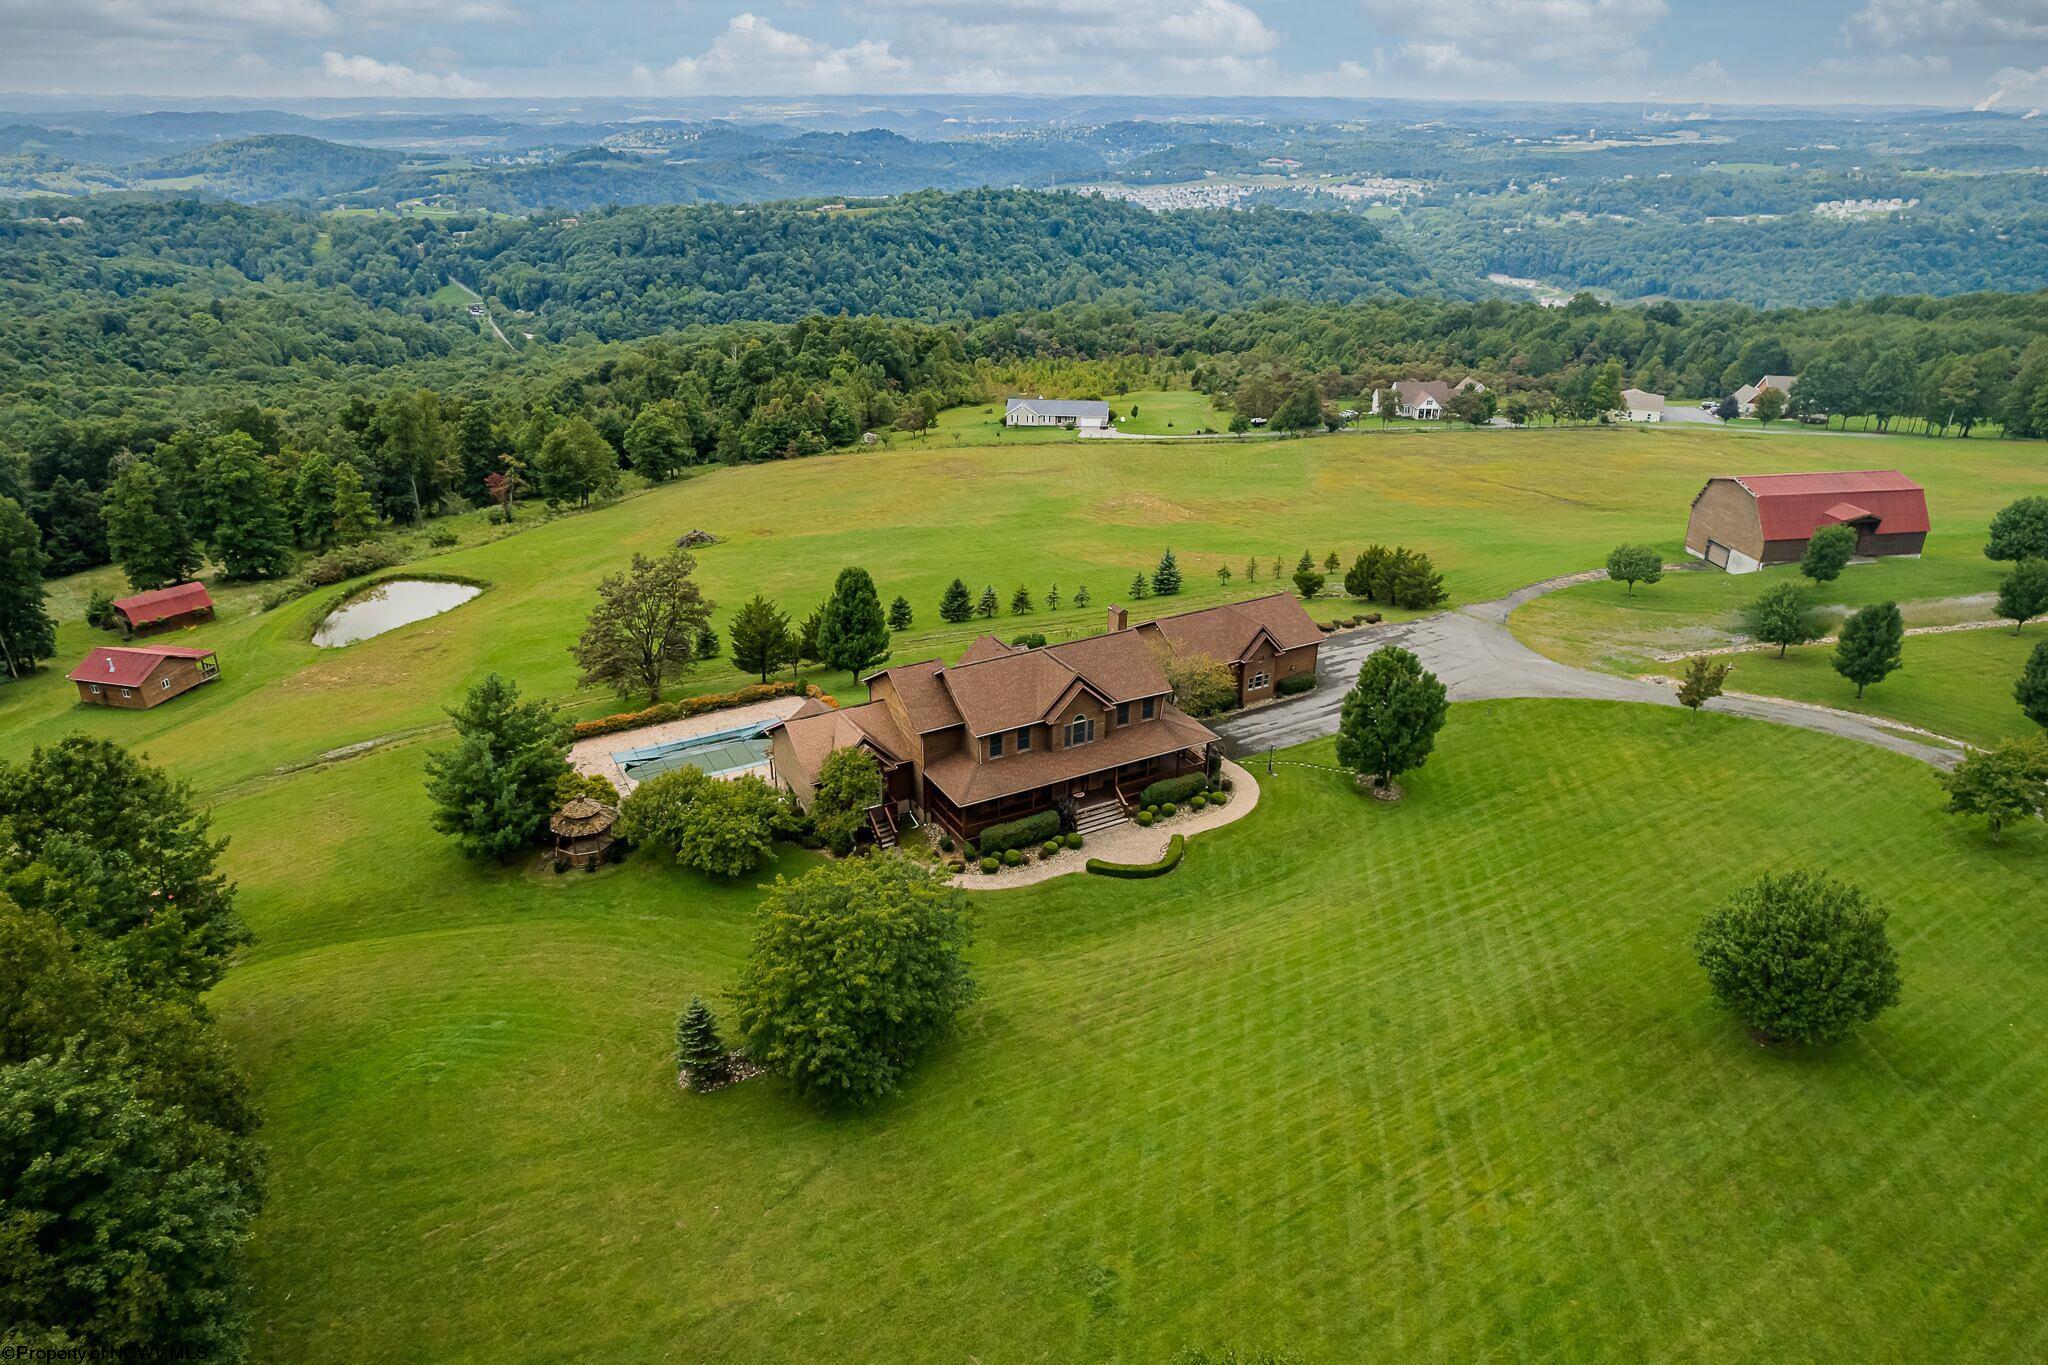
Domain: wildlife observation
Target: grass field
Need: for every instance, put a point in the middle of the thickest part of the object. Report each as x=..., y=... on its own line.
x=1959, y=684
x=1440, y=1080
x=1497, y=509
x=1436, y=1080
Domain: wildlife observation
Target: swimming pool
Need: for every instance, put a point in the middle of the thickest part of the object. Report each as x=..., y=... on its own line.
x=723, y=752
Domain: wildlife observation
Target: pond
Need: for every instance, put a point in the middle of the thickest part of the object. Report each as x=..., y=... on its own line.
x=388, y=606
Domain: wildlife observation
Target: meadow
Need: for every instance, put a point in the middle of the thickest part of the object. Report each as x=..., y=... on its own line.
x=1440, y=1079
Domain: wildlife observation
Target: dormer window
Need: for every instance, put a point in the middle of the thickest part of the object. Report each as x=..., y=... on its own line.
x=1080, y=730
x=1146, y=708
x=1024, y=741
x=995, y=746
x=1123, y=713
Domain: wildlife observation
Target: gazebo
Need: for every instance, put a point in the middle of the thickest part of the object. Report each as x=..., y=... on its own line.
x=583, y=832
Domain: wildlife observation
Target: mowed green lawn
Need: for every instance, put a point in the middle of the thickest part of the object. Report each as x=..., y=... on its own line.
x=1497, y=509
x=1439, y=1080
x=1959, y=684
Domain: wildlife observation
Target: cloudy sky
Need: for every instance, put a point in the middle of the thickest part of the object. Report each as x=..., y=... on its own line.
x=1952, y=52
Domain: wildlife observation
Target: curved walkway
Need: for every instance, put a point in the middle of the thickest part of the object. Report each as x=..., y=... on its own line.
x=1477, y=657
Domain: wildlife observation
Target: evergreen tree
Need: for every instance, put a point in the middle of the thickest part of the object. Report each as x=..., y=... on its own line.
x=899, y=613
x=853, y=634
x=2024, y=593
x=1415, y=583
x=245, y=509
x=2031, y=692
x=708, y=643
x=147, y=533
x=1306, y=564
x=1828, y=552
x=1251, y=571
x=986, y=607
x=355, y=516
x=1166, y=578
x=1139, y=587
x=1052, y=598
x=27, y=633
x=701, y=1055
x=1331, y=563
x=1020, y=601
x=494, y=791
x=1800, y=957
x=312, y=502
x=761, y=639
x=1223, y=576
x=955, y=606
x=1081, y=596
x=1871, y=645
x=1308, y=582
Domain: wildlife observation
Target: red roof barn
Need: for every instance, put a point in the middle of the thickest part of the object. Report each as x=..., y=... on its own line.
x=181, y=604
x=138, y=677
x=1745, y=522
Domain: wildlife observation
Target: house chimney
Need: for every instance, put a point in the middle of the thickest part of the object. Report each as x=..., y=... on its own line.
x=1119, y=619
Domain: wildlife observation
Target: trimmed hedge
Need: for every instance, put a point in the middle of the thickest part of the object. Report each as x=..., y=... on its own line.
x=1175, y=847
x=1032, y=829
x=1173, y=789
x=697, y=706
x=1295, y=686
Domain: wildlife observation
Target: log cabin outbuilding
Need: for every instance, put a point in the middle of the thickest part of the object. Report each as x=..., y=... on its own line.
x=181, y=604
x=137, y=677
x=1746, y=522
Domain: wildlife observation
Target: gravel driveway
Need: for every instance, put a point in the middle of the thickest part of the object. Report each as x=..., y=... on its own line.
x=1477, y=657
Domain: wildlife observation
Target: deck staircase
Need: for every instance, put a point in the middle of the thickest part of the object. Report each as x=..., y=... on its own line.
x=883, y=824
x=1098, y=817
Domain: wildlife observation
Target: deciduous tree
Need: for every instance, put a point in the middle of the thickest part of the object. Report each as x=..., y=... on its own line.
x=1828, y=552
x=857, y=968
x=147, y=532
x=1781, y=616
x=1800, y=957
x=2002, y=784
x=2024, y=593
x=2019, y=530
x=2031, y=691
x=28, y=635
x=643, y=630
x=245, y=509
x=1703, y=681
x=1871, y=645
x=1633, y=564
x=1390, y=717
x=849, y=782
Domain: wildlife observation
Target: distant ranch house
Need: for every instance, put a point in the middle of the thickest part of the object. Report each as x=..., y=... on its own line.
x=135, y=678
x=1087, y=414
x=1748, y=522
x=1423, y=400
x=183, y=604
x=1642, y=407
x=1745, y=397
x=1080, y=727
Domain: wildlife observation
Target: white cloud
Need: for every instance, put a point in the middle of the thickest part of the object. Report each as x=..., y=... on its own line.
x=1898, y=65
x=433, y=11
x=1949, y=23
x=372, y=74
x=754, y=55
x=1710, y=70
x=1503, y=39
x=2015, y=85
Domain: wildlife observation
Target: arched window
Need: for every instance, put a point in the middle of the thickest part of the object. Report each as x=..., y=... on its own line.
x=1080, y=730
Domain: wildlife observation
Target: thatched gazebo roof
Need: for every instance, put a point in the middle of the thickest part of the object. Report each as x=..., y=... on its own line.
x=583, y=818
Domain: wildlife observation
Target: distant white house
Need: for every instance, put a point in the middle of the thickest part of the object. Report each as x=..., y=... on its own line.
x=1421, y=399
x=1641, y=406
x=1745, y=397
x=1088, y=414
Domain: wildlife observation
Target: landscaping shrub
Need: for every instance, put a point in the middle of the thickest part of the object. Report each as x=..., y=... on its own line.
x=1014, y=834
x=1049, y=848
x=1073, y=841
x=945, y=843
x=1013, y=857
x=697, y=706
x=1030, y=639
x=1372, y=618
x=1198, y=802
x=1145, y=817
x=1168, y=861
x=1173, y=789
x=1167, y=808
x=989, y=866
x=1295, y=686
x=1219, y=798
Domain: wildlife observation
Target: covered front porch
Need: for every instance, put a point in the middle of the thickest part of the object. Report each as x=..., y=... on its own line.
x=1114, y=788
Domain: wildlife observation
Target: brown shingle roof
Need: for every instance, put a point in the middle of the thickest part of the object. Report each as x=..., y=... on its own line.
x=1227, y=633
x=925, y=700
x=1003, y=694
x=1121, y=665
x=986, y=647
x=966, y=782
x=1411, y=392
x=815, y=735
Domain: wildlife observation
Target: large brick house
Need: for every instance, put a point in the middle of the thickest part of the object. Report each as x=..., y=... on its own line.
x=1080, y=727
x=1747, y=522
x=135, y=678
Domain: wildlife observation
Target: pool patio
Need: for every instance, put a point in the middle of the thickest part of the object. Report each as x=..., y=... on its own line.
x=629, y=756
